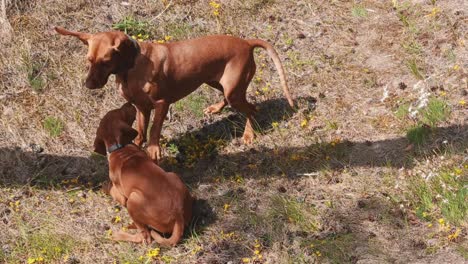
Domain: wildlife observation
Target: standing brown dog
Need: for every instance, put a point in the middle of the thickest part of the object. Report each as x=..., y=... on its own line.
x=154, y=199
x=154, y=75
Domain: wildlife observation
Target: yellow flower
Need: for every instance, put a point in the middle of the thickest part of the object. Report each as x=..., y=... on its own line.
x=226, y=207
x=454, y=235
x=275, y=124
x=257, y=252
x=153, y=253
x=443, y=93
x=304, y=123
x=215, y=5
x=117, y=219
x=424, y=214
x=31, y=260
x=167, y=38
x=117, y=210
x=434, y=12
x=245, y=260
x=457, y=171
x=160, y=41
x=429, y=225
x=318, y=253
x=462, y=102
x=456, y=67
x=441, y=221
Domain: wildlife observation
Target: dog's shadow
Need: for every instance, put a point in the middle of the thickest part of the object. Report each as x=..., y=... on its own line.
x=203, y=142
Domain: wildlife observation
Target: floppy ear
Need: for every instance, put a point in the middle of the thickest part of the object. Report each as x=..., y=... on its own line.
x=99, y=146
x=128, y=134
x=128, y=50
x=84, y=37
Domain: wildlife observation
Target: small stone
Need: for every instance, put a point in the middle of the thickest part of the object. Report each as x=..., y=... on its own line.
x=281, y=189
x=361, y=204
x=402, y=85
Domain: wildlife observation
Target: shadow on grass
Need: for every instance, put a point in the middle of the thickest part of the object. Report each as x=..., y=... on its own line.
x=299, y=161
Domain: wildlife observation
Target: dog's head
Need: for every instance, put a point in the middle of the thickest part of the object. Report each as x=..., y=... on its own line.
x=115, y=128
x=108, y=53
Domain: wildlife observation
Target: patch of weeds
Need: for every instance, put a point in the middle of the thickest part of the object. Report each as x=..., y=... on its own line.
x=127, y=254
x=133, y=27
x=193, y=103
x=463, y=250
x=402, y=111
x=336, y=249
x=42, y=247
x=436, y=111
x=192, y=148
x=179, y=30
x=442, y=194
x=54, y=126
x=290, y=210
x=296, y=62
x=418, y=134
x=255, y=5
x=450, y=55
x=34, y=68
x=332, y=125
x=288, y=40
x=359, y=11
x=412, y=65
x=413, y=47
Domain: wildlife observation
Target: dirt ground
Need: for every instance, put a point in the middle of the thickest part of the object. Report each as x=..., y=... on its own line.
x=370, y=167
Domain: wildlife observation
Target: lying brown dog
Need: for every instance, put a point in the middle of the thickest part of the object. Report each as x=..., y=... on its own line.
x=154, y=199
x=169, y=72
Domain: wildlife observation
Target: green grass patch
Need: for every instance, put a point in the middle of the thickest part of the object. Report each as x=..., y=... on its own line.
x=296, y=62
x=336, y=249
x=290, y=210
x=413, y=47
x=40, y=246
x=402, y=111
x=412, y=65
x=418, y=134
x=53, y=126
x=441, y=195
x=134, y=27
x=194, y=103
x=359, y=11
x=435, y=112
x=179, y=30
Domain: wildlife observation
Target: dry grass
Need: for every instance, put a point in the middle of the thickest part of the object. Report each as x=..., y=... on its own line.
x=335, y=181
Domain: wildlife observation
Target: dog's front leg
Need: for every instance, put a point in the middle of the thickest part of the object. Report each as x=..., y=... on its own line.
x=142, y=118
x=154, y=150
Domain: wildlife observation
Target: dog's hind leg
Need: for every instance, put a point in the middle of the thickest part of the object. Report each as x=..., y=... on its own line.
x=235, y=82
x=218, y=107
x=136, y=238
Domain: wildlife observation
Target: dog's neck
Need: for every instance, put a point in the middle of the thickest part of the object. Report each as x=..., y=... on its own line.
x=114, y=147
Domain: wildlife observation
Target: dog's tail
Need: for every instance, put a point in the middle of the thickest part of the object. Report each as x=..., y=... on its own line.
x=279, y=67
x=177, y=233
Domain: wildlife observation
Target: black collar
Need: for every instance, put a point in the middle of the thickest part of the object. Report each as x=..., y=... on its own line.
x=114, y=147
x=135, y=43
